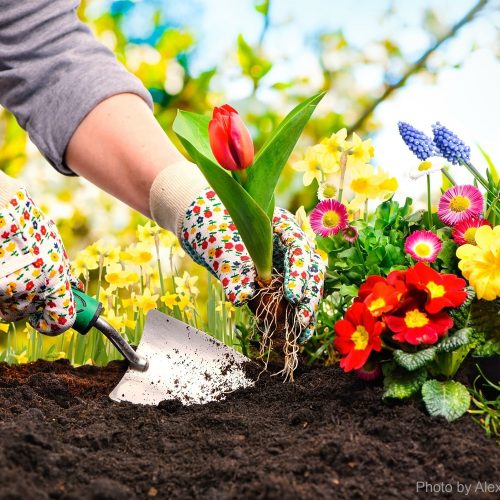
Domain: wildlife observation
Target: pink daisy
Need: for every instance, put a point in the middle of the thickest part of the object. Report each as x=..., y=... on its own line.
x=423, y=246
x=465, y=231
x=350, y=234
x=460, y=203
x=328, y=217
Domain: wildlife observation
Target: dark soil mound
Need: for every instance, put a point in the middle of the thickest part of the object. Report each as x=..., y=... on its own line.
x=325, y=436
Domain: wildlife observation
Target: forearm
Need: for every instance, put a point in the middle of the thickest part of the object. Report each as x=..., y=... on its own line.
x=121, y=148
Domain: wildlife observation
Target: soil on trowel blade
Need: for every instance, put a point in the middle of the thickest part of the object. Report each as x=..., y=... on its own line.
x=327, y=435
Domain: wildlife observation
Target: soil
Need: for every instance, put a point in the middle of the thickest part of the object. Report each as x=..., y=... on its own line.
x=327, y=435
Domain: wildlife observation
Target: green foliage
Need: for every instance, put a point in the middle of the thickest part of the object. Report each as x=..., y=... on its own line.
x=486, y=410
x=448, y=399
x=380, y=250
x=414, y=361
x=264, y=174
x=400, y=383
x=455, y=340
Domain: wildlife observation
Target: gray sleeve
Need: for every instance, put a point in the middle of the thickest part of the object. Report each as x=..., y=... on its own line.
x=53, y=72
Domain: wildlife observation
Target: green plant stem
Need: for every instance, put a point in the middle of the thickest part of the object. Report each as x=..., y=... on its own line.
x=475, y=173
x=429, y=206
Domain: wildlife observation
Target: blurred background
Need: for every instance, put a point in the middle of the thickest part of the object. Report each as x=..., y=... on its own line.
x=381, y=61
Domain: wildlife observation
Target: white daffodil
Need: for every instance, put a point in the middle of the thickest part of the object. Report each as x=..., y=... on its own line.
x=429, y=166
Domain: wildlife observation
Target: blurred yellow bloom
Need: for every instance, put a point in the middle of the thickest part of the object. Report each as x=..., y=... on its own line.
x=117, y=322
x=141, y=253
x=226, y=306
x=367, y=183
x=146, y=301
x=312, y=167
x=361, y=152
x=184, y=302
x=186, y=284
x=480, y=264
x=147, y=232
x=330, y=150
x=4, y=327
x=21, y=358
x=169, y=299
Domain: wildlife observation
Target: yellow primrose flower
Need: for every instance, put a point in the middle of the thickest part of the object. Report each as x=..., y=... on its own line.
x=312, y=167
x=480, y=263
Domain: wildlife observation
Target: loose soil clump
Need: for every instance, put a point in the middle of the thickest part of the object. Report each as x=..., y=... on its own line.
x=327, y=435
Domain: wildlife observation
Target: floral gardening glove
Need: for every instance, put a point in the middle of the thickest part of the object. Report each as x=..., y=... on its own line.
x=34, y=266
x=210, y=237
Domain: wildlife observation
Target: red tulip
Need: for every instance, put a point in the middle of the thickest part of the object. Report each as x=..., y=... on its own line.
x=230, y=140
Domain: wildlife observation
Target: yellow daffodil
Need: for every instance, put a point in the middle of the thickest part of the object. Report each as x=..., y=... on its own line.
x=186, y=284
x=226, y=306
x=312, y=167
x=361, y=152
x=480, y=263
x=169, y=299
x=370, y=184
x=146, y=301
x=4, y=327
x=330, y=150
x=116, y=321
x=184, y=302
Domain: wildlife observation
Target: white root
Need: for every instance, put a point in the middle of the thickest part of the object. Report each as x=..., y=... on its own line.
x=266, y=323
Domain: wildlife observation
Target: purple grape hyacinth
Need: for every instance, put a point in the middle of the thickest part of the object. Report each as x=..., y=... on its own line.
x=420, y=145
x=450, y=145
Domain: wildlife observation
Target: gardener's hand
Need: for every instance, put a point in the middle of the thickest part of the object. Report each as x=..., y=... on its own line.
x=210, y=237
x=34, y=267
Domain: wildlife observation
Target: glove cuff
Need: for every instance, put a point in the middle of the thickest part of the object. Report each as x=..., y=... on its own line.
x=8, y=189
x=172, y=192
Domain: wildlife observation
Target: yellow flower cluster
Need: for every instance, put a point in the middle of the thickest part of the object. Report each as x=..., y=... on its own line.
x=480, y=263
x=343, y=171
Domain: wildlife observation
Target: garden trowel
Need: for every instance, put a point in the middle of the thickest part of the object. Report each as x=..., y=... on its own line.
x=172, y=361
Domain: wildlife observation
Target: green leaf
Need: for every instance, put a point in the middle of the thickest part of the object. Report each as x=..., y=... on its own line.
x=455, y=340
x=489, y=348
x=491, y=167
x=445, y=399
x=195, y=129
x=252, y=222
x=400, y=383
x=447, y=256
x=263, y=175
x=414, y=361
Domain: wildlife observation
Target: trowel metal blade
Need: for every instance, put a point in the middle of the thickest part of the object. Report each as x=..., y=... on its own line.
x=184, y=364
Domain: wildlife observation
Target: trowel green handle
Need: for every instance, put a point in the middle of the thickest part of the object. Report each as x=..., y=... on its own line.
x=88, y=315
x=88, y=311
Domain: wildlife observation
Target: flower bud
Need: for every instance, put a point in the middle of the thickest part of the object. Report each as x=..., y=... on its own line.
x=230, y=140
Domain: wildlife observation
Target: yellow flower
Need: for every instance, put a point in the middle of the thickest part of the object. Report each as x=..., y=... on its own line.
x=370, y=184
x=4, y=327
x=141, y=254
x=480, y=264
x=330, y=149
x=118, y=277
x=225, y=306
x=54, y=256
x=312, y=166
x=21, y=358
x=169, y=299
x=184, y=302
x=186, y=284
x=86, y=260
x=146, y=301
x=117, y=322
x=361, y=152
x=147, y=232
